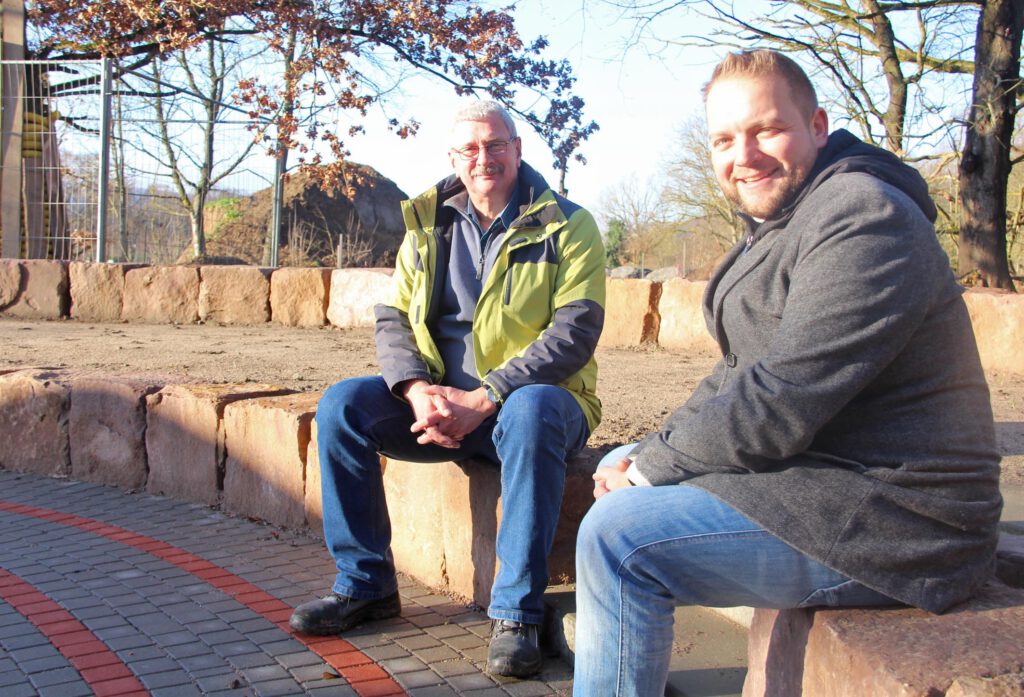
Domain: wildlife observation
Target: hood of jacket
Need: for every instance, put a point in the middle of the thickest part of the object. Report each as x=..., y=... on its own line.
x=844, y=152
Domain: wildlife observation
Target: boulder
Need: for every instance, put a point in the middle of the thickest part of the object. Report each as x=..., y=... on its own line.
x=97, y=290
x=42, y=289
x=107, y=428
x=267, y=439
x=161, y=295
x=34, y=421
x=631, y=313
x=298, y=297
x=354, y=292
x=312, y=498
x=185, y=437
x=663, y=274
x=234, y=294
x=627, y=271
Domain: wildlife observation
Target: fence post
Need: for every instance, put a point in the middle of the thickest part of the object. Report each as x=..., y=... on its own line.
x=103, y=175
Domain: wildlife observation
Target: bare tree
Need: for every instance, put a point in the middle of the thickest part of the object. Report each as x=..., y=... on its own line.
x=692, y=192
x=882, y=59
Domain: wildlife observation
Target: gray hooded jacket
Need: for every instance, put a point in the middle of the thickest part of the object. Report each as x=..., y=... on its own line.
x=849, y=415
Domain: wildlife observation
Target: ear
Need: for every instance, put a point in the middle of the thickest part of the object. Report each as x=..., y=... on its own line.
x=519, y=150
x=819, y=127
x=451, y=160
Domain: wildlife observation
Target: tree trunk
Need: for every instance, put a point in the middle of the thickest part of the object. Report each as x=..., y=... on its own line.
x=985, y=163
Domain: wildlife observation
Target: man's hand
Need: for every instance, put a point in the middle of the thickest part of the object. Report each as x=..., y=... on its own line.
x=429, y=410
x=611, y=478
x=457, y=412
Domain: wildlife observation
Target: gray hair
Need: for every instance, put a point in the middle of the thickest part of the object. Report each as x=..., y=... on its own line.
x=481, y=110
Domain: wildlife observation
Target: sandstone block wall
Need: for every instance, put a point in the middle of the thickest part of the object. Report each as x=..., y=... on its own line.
x=354, y=292
x=998, y=319
x=97, y=290
x=631, y=314
x=447, y=539
x=185, y=437
x=34, y=288
x=107, y=427
x=895, y=651
x=682, y=317
x=298, y=297
x=234, y=294
x=265, y=471
x=161, y=295
x=637, y=311
x=34, y=421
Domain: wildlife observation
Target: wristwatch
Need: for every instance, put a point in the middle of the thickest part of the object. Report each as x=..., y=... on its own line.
x=492, y=396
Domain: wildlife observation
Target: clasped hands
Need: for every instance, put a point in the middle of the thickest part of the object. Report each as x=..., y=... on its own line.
x=611, y=478
x=445, y=415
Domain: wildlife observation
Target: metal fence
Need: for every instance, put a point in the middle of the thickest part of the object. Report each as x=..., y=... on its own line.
x=78, y=132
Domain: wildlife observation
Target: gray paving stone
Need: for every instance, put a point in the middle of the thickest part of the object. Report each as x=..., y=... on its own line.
x=169, y=678
x=419, y=679
x=299, y=659
x=435, y=654
x=58, y=676
x=471, y=681
x=36, y=665
x=75, y=689
x=189, y=690
x=436, y=691
x=407, y=664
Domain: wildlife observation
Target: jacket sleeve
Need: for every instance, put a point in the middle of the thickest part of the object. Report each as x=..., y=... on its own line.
x=864, y=275
x=397, y=353
x=568, y=342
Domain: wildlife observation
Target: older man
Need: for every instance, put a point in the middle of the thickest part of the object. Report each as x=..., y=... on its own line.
x=842, y=451
x=486, y=351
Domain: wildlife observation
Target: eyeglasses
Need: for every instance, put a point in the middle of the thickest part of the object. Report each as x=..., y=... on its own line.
x=472, y=152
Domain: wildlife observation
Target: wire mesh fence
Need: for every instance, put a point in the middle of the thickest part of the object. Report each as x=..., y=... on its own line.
x=166, y=160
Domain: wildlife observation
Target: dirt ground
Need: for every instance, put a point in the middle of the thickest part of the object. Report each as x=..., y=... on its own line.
x=638, y=387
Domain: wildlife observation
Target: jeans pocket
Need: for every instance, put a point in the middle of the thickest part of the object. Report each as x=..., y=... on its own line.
x=846, y=594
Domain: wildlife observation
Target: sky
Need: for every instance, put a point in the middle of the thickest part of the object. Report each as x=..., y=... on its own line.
x=639, y=101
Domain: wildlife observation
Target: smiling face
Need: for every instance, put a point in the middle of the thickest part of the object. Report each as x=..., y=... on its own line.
x=489, y=178
x=763, y=145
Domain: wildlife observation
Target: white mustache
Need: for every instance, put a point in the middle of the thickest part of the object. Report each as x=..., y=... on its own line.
x=490, y=169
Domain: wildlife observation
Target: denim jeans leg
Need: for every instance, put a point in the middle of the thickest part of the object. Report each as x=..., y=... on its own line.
x=643, y=550
x=539, y=426
x=356, y=420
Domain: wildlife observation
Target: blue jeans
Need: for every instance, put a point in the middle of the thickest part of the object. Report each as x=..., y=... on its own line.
x=530, y=437
x=643, y=550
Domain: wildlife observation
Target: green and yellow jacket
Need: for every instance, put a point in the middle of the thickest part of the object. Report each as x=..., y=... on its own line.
x=541, y=308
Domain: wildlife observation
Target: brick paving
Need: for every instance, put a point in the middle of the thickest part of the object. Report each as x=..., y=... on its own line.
x=106, y=592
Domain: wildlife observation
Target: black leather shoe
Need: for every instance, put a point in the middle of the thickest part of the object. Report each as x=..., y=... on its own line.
x=335, y=613
x=514, y=650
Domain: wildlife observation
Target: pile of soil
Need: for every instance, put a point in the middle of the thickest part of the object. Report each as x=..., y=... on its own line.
x=362, y=214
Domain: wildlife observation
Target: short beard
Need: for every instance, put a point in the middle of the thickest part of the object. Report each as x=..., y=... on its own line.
x=763, y=209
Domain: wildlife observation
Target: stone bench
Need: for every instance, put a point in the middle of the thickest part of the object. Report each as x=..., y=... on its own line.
x=251, y=449
x=975, y=649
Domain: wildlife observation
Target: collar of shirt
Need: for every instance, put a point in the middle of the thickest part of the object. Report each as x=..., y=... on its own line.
x=500, y=224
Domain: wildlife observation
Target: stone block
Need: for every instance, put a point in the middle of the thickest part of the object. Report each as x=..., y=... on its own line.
x=682, y=317
x=41, y=289
x=267, y=439
x=313, y=499
x=107, y=429
x=998, y=319
x=354, y=292
x=887, y=651
x=34, y=407
x=234, y=294
x=185, y=437
x=447, y=539
x=631, y=313
x=161, y=295
x=298, y=297
x=97, y=290
x=10, y=281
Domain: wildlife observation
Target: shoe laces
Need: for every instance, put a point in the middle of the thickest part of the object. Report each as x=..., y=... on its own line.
x=511, y=627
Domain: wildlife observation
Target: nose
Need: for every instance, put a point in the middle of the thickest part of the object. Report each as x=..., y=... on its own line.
x=483, y=157
x=748, y=151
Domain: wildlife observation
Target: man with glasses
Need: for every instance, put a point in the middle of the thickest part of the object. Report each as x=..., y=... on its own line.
x=486, y=351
